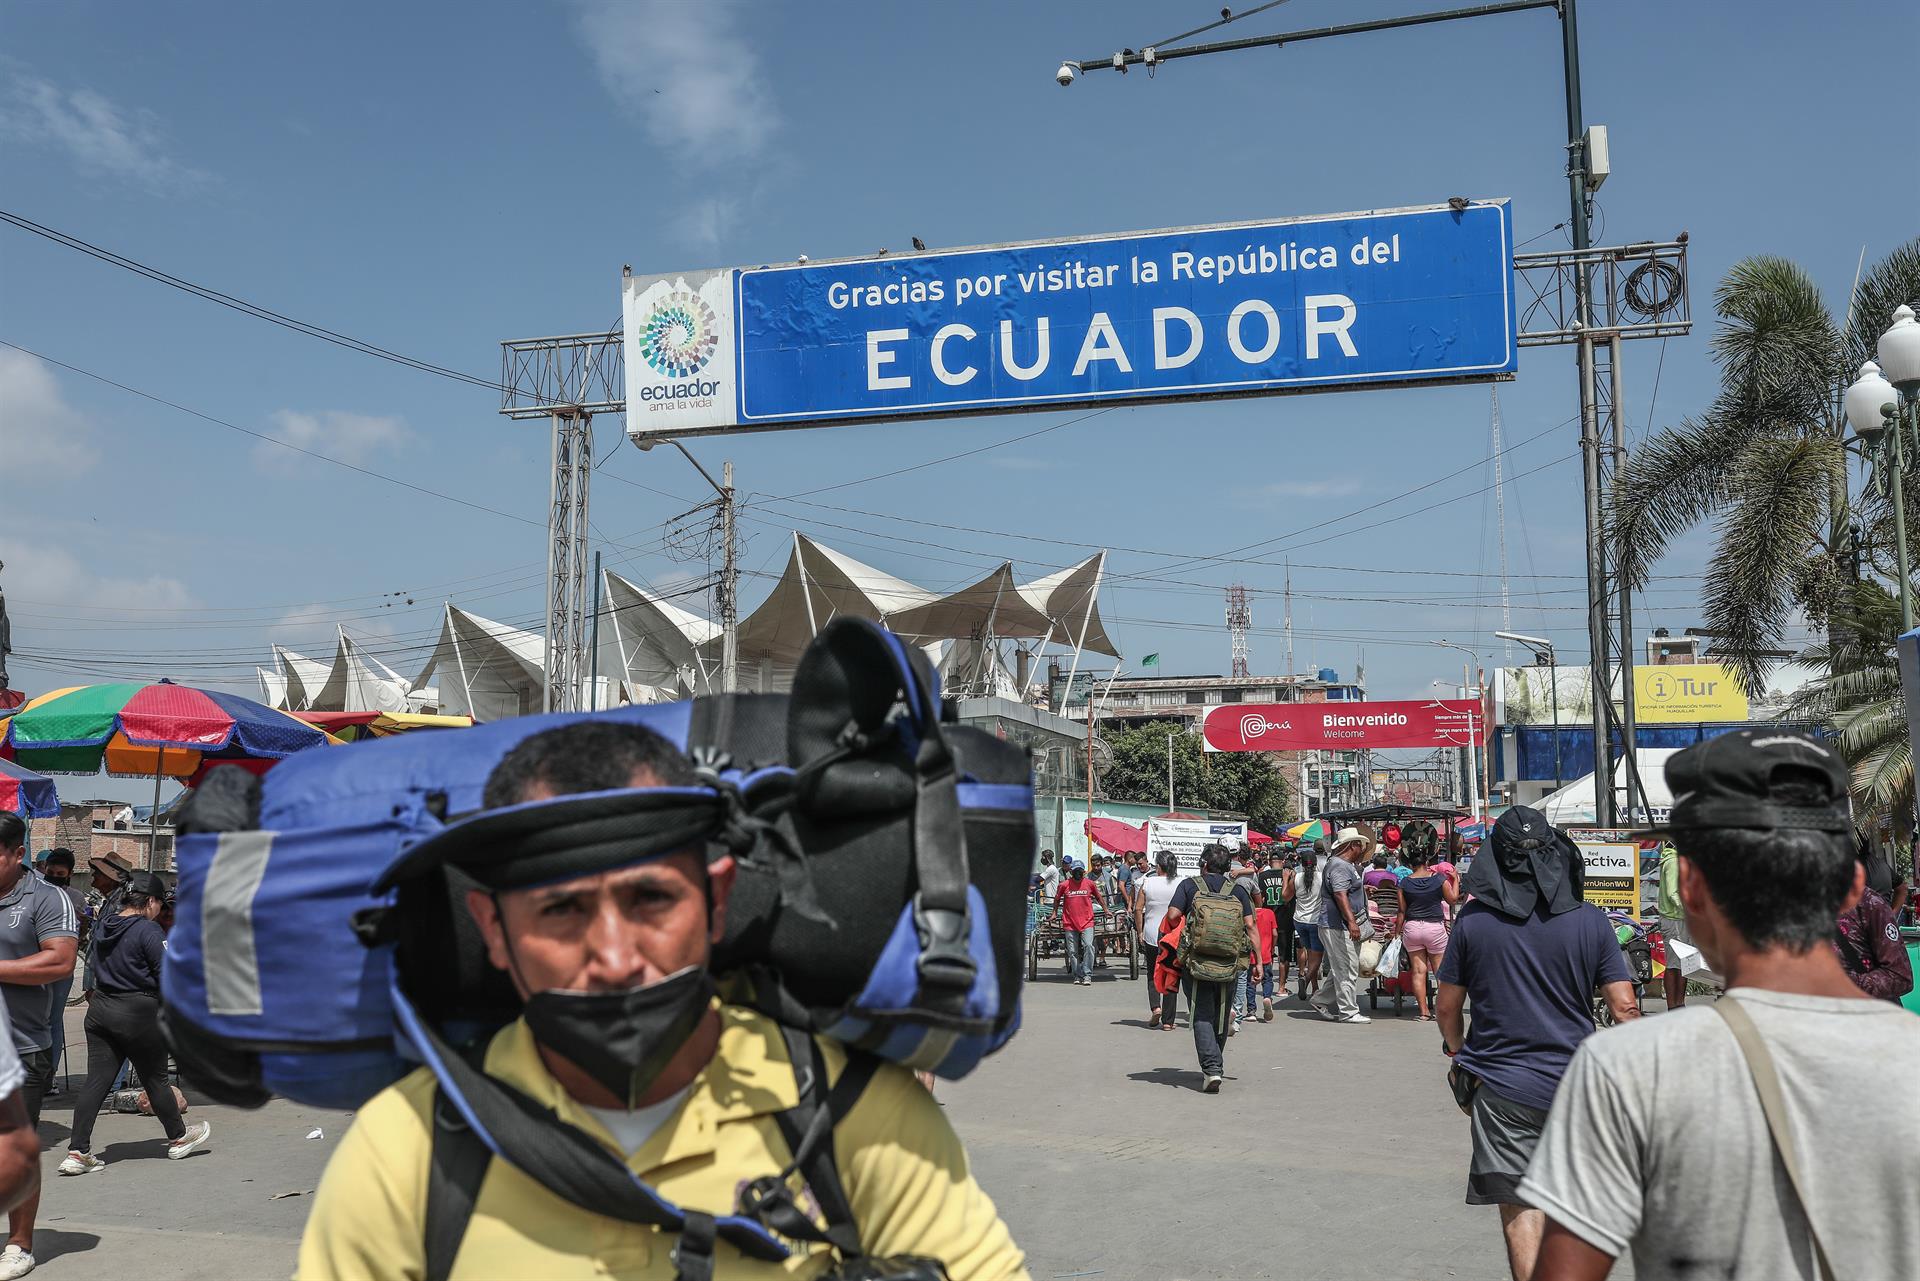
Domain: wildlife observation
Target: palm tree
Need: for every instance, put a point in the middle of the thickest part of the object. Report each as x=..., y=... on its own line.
x=1766, y=462
x=1859, y=694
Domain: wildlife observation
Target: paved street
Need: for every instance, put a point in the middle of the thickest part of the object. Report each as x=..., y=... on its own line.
x=1332, y=1152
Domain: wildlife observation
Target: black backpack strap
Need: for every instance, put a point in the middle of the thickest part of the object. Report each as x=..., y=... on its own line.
x=808, y=1129
x=566, y=1160
x=458, y=1166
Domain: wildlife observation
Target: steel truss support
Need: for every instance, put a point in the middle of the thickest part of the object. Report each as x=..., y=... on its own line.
x=567, y=380
x=570, y=597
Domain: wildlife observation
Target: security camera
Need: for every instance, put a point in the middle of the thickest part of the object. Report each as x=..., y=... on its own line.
x=1066, y=73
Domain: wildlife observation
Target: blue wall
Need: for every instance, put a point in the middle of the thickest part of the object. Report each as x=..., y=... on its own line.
x=1534, y=745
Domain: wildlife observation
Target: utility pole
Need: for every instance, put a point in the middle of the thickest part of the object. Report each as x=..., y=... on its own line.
x=729, y=588
x=1169, y=773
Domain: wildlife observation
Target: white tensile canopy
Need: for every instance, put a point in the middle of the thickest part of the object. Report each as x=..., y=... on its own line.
x=1575, y=803
x=301, y=678
x=650, y=648
x=273, y=688
x=818, y=585
x=486, y=670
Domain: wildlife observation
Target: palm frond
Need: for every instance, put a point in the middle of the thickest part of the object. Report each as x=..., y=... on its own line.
x=1893, y=280
x=1776, y=343
x=1673, y=480
x=1778, y=491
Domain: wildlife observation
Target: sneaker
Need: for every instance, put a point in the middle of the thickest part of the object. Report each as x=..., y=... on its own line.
x=81, y=1163
x=1354, y=1018
x=186, y=1145
x=1266, y=1009
x=14, y=1262
x=1211, y=1087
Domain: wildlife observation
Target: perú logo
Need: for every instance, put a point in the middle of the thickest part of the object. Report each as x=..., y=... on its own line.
x=1253, y=725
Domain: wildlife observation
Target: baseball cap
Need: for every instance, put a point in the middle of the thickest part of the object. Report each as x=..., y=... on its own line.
x=1729, y=781
x=146, y=883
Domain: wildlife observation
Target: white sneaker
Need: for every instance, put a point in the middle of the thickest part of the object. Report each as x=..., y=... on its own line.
x=14, y=1262
x=186, y=1145
x=1266, y=1009
x=81, y=1163
x=1354, y=1018
x=1212, y=1087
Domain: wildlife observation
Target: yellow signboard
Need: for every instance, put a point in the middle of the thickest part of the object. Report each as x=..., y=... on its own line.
x=1686, y=693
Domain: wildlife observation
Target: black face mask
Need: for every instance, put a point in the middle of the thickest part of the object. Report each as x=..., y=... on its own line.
x=622, y=1039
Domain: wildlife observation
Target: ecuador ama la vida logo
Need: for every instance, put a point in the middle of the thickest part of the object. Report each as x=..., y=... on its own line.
x=678, y=337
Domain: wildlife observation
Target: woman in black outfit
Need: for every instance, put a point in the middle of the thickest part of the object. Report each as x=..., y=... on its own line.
x=123, y=1022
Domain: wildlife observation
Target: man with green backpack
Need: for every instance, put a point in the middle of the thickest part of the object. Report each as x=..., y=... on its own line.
x=1215, y=917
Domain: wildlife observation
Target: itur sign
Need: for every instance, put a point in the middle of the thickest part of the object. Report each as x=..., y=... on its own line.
x=1286, y=727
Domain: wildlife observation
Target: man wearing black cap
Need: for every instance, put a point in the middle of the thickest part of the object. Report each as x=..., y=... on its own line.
x=603, y=915
x=1530, y=953
x=1770, y=1134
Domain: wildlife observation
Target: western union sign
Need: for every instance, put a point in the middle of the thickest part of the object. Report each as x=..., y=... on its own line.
x=1687, y=693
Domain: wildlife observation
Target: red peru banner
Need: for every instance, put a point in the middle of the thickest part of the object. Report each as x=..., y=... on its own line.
x=1282, y=727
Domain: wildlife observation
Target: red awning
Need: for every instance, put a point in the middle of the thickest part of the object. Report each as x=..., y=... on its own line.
x=1116, y=837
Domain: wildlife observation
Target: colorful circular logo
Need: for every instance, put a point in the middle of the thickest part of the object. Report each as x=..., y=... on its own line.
x=678, y=336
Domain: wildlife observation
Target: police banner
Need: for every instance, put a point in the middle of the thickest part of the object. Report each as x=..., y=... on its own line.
x=1185, y=838
x=1288, y=727
x=1400, y=296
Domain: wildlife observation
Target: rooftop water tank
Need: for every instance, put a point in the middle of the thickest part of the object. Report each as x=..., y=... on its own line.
x=1329, y=677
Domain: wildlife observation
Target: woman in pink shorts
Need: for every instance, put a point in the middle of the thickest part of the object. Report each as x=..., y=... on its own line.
x=1425, y=896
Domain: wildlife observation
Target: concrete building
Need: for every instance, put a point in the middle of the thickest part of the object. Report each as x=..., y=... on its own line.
x=93, y=829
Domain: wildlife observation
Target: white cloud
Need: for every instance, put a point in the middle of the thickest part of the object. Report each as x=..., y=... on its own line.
x=685, y=70
x=351, y=438
x=37, y=425
x=95, y=131
x=705, y=223
x=40, y=574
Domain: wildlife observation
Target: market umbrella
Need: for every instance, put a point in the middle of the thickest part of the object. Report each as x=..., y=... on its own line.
x=351, y=727
x=1115, y=836
x=26, y=793
x=159, y=730
x=1314, y=829
x=1257, y=839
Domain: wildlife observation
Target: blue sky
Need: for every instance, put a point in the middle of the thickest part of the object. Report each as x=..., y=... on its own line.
x=438, y=179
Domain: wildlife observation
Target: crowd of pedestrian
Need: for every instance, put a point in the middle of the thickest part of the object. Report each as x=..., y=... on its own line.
x=111, y=938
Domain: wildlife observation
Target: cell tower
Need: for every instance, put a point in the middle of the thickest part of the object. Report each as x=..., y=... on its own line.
x=1239, y=619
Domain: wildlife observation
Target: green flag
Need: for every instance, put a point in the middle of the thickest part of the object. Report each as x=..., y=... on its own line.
x=1151, y=660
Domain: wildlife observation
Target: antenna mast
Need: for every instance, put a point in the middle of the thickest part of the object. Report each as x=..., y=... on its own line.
x=1239, y=619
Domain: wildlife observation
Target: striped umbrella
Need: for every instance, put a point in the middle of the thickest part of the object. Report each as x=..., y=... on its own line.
x=1314, y=829
x=136, y=730
x=26, y=793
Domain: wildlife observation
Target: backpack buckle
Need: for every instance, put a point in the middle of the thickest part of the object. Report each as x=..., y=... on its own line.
x=945, y=961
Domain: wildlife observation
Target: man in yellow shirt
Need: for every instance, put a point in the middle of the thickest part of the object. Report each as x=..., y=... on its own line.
x=622, y=1038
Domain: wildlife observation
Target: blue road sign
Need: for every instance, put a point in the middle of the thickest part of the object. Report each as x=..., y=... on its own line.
x=1400, y=297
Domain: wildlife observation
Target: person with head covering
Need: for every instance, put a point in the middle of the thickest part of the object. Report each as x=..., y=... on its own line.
x=1344, y=926
x=1667, y=1135
x=602, y=909
x=1529, y=952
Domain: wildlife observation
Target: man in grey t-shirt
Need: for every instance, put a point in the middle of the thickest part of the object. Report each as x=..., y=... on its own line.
x=1343, y=927
x=39, y=936
x=1657, y=1142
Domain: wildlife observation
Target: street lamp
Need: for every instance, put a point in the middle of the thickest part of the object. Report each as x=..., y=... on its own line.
x=1543, y=648
x=1873, y=406
x=1468, y=682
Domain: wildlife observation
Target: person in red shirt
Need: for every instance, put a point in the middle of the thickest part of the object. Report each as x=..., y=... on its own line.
x=1073, y=905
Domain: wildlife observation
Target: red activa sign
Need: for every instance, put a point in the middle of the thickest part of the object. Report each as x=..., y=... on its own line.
x=1281, y=727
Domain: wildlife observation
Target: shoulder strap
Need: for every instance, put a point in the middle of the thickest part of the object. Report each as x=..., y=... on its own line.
x=808, y=1129
x=458, y=1166
x=1774, y=1105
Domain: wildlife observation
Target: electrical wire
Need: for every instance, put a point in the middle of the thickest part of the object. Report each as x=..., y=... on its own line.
x=241, y=305
x=271, y=440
